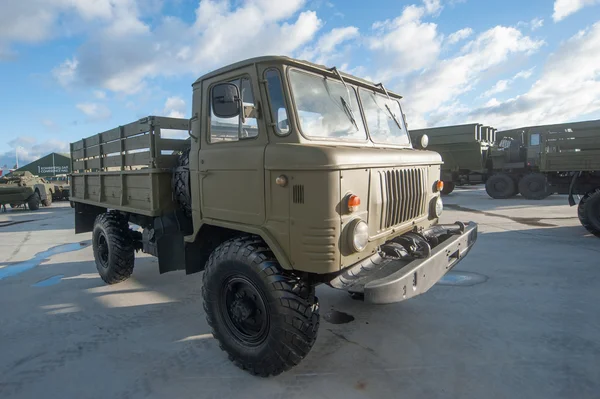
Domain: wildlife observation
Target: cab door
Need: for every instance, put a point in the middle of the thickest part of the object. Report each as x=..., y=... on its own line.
x=231, y=159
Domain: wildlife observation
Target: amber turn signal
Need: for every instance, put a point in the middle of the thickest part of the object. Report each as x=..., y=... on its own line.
x=353, y=203
x=439, y=185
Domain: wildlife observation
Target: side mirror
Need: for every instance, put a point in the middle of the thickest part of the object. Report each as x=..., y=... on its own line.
x=422, y=142
x=226, y=100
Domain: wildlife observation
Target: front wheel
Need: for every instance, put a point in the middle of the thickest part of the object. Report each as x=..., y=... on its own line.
x=588, y=212
x=47, y=201
x=114, y=252
x=34, y=202
x=264, y=318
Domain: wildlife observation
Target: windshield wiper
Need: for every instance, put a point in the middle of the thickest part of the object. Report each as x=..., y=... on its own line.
x=349, y=112
x=393, y=116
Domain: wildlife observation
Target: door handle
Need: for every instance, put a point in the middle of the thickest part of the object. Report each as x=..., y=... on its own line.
x=203, y=172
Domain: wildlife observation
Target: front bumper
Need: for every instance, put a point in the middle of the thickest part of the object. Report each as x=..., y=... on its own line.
x=387, y=280
x=420, y=275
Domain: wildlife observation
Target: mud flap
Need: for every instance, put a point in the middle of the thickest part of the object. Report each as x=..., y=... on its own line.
x=166, y=241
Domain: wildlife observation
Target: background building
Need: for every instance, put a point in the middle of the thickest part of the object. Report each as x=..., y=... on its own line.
x=51, y=165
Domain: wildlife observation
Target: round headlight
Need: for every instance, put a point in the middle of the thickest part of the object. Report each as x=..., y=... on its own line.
x=359, y=235
x=439, y=206
x=424, y=141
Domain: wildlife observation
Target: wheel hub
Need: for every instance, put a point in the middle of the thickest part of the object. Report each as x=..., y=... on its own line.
x=244, y=311
x=103, y=250
x=241, y=310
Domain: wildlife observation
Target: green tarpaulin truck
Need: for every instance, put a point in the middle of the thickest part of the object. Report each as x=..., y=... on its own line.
x=293, y=175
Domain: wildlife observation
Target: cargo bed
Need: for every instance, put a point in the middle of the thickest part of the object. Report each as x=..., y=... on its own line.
x=129, y=168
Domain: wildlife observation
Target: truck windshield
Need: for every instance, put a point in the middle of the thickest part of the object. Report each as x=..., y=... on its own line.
x=326, y=108
x=384, y=119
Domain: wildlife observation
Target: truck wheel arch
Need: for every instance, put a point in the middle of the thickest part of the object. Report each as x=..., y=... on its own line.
x=225, y=231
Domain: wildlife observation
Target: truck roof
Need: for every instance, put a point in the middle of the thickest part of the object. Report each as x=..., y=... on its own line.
x=293, y=62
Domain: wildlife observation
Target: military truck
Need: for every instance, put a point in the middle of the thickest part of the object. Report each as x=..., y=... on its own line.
x=464, y=150
x=22, y=188
x=570, y=160
x=508, y=161
x=517, y=159
x=292, y=175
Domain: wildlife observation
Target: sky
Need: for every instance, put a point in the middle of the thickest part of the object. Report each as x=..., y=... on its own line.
x=73, y=68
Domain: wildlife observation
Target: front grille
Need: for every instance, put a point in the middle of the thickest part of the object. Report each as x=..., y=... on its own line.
x=403, y=195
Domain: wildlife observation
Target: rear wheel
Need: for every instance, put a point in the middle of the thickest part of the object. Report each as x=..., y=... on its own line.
x=534, y=186
x=448, y=187
x=500, y=186
x=588, y=212
x=264, y=318
x=34, y=202
x=113, y=247
x=47, y=201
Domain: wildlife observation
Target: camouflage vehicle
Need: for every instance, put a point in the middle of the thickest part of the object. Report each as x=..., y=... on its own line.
x=61, y=189
x=464, y=150
x=23, y=188
x=292, y=175
x=570, y=160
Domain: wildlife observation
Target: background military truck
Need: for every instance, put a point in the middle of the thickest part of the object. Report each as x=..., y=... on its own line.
x=293, y=175
x=517, y=159
x=464, y=150
x=570, y=159
x=23, y=188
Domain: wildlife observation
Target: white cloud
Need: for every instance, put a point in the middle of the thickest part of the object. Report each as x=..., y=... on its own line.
x=459, y=35
x=94, y=111
x=503, y=85
x=29, y=150
x=499, y=87
x=406, y=43
x=65, y=73
x=124, y=62
x=562, y=92
x=100, y=94
x=432, y=6
x=34, y=21
x=325, y=49
x=532, y=25
x=175, y=107
x=536, y=23
x=440, y=84
x=525, y=74
x=564, y=8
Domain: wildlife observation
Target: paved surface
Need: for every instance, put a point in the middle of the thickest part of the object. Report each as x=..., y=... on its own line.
x=526, y=326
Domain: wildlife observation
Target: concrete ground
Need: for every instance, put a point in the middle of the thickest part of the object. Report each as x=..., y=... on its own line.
x=518, y=318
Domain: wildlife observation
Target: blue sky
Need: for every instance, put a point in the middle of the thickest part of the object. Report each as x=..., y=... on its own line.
x=72, y=68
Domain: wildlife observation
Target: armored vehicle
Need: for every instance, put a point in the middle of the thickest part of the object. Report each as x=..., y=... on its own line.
x=292, y=175
x=23, y=188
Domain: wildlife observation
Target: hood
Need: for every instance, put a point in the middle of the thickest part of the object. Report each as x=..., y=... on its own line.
x=311, y=157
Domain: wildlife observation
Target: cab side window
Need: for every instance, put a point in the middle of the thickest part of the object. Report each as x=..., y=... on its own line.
x=239, y=127
x=534, y=139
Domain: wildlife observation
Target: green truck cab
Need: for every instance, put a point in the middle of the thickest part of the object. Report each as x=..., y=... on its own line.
x=288, y=175
x=23, y=188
